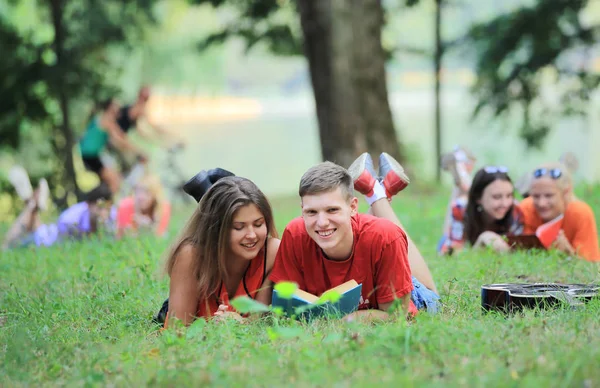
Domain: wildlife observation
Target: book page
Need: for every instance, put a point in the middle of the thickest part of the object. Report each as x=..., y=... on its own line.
x=548, y=232
x=307, y=296
x=342, y=288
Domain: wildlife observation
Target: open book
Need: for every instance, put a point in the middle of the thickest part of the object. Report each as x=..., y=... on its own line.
x=544, y=236
x=310, y=307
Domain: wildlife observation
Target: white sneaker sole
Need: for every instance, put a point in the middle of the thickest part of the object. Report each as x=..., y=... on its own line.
x=19, y=178
x=358, y=166
x=43, y=194
x=395, y=166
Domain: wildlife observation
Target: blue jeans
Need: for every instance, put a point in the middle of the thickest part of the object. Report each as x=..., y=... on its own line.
x=424, y=298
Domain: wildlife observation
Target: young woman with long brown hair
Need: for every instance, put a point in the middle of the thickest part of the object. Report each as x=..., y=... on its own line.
x=226, y=250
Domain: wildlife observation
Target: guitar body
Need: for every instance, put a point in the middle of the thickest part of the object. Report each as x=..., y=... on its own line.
x=514, y=297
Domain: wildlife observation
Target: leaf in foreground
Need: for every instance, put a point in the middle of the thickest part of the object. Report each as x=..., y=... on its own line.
x=286, y=290
x=245, y=305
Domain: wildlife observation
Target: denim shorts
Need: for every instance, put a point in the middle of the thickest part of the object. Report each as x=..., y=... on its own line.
x=424, y=298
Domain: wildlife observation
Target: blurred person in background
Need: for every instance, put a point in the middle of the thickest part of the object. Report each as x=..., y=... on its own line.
x=146, y=210
x=134, y=116
x=460, y=164
x=80, y=220
x=101, y=129
x=490, y=212
x=550, y=195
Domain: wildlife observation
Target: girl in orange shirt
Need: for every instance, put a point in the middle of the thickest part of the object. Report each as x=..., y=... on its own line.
x=227, y=249
x=550, y=195
x=146, y=209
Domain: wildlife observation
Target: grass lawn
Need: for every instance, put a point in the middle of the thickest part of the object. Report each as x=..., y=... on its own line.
x=80, y=314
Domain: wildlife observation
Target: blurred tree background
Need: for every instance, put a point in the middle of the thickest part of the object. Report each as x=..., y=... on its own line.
x=535, y=59
x=56, y=61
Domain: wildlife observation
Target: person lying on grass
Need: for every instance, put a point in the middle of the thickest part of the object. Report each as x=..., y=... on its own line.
x=197, y=187
x=145, y=210
x=460, y=164
x=490, y=213
x=227, y=249
x=331, y=243
x=79, y=220
x=550, y=195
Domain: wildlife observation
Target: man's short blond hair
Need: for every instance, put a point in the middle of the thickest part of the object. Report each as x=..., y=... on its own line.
x=325, y=177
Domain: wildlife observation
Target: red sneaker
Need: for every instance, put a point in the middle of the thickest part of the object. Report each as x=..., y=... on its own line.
x=363, y=174
x=392, y=175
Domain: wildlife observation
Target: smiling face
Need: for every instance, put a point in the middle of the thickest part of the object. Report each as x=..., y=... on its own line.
x=327, y=218
x=144, y=199
x=548, y=198
x=497, y=199
x=248, y=232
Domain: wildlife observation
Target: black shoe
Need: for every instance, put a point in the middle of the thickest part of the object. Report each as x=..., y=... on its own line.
x=198, y=185
x=162, y=313
x=201, y=182
x=217, y=173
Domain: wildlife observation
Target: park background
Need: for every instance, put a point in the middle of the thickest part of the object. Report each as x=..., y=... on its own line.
x=80, y=313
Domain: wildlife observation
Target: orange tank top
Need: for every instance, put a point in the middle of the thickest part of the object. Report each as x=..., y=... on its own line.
x=252, y=280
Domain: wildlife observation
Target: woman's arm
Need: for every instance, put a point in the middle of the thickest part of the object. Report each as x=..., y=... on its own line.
x=381, y=314
x=116, y=135
x=183, y=288
x=493, y=240
x=265, y=293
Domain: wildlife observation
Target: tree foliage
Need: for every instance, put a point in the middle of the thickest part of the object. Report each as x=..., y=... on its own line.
x=257, y=21
x=520, y=52
x=48, y=71
x=30, y=75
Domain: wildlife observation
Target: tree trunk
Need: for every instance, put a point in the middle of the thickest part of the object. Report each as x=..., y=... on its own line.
x=437, y=63
x=370, y=78
x=69, y=180
x=342, y=43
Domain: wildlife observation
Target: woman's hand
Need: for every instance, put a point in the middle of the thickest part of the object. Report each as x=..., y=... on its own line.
x=224, y=313
x=562, y=243
x=493, y=240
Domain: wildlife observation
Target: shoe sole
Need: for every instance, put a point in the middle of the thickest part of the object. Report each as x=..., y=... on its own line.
x=18, y=177
x=43, y=194
x=358, y=166
x=396, y=167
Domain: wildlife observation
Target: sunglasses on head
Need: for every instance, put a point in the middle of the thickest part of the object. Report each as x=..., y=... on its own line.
x=554, y=173
x=495, y=169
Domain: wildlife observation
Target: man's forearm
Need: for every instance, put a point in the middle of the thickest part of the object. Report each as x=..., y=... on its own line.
x=367, y=316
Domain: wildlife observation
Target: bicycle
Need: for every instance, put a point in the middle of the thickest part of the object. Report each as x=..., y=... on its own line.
x=172, y=177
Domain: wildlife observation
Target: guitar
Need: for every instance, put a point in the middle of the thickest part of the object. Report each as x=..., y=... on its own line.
x=514, y=297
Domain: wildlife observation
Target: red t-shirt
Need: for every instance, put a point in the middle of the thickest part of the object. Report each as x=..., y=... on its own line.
x=249, y=286
x=379, y=262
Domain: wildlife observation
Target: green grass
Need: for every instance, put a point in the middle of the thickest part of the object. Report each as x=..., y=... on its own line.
x=79, y=315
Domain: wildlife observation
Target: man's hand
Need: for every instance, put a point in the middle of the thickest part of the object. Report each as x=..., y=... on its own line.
x=367, y=316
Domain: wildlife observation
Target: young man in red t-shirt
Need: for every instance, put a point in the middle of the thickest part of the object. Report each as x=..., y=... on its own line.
x=331, y=243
